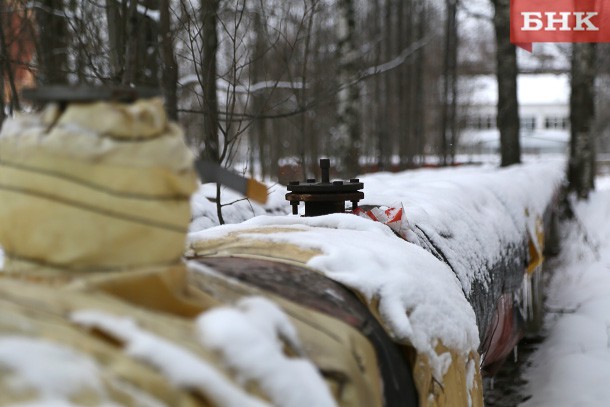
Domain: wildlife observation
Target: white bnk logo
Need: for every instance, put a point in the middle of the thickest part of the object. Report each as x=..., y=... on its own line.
x=534, y=21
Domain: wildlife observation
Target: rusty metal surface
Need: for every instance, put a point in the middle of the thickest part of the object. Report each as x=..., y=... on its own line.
x=297, y=284
x=313, y=290
x=88, y=94
x=327, y=197
x=324, y=197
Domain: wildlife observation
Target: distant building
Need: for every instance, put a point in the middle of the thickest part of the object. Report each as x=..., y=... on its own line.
x=543, y=109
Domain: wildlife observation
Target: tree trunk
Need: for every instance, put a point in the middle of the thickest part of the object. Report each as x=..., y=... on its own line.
x=115, y=12
x=348, y=123
x=209, y=10
x=211, y=122
x=411, y=96
x=131, y=50
x=275, y=147
x=378, y=102
x=402, y=40
x=169, y=70
x=448, y=118
x=581, y=165
x=258, y=132
x=305, y=125
x=419, y=96
x=453, y=125
x=52, y=48
x=79, y=50
x=506, y=71
x=385, y=137
x=6, y=60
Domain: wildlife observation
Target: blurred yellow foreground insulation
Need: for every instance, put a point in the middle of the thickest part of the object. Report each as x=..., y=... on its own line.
x=97, y=307
x=95, y=187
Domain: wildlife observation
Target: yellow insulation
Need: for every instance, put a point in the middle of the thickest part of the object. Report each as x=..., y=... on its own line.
x=102, y=186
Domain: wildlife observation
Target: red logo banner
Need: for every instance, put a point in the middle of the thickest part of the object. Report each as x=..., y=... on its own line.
x=559, y=21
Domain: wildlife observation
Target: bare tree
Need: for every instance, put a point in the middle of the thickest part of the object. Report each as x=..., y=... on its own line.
x=506, y=71
x=448, y=115
x=169, y=69
x=348, y=120
x=419, y=93
x=209, y=18
x=258, y=135
x=307, y=136
x=581, y=166
x=51, y=46
x=131, y=48
x=385, y=139
x=276, y=66
x=133, y=42
x=377, y=107
x=115, y=10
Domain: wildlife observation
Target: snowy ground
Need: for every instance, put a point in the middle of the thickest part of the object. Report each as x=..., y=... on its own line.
x=572, y=366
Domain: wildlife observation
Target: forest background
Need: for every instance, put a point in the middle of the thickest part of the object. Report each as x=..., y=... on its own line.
x=269, y=86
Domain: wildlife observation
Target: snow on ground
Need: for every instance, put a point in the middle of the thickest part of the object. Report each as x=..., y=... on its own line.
x=572, y=366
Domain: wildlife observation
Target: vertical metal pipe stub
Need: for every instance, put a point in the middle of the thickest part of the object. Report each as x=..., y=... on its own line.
x=324, y=197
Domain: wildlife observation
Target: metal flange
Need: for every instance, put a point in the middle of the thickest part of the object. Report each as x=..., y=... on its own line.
x=324, y=197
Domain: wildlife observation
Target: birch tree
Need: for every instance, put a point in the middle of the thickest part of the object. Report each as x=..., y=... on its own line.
x=348, y=116
x=258, y=133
